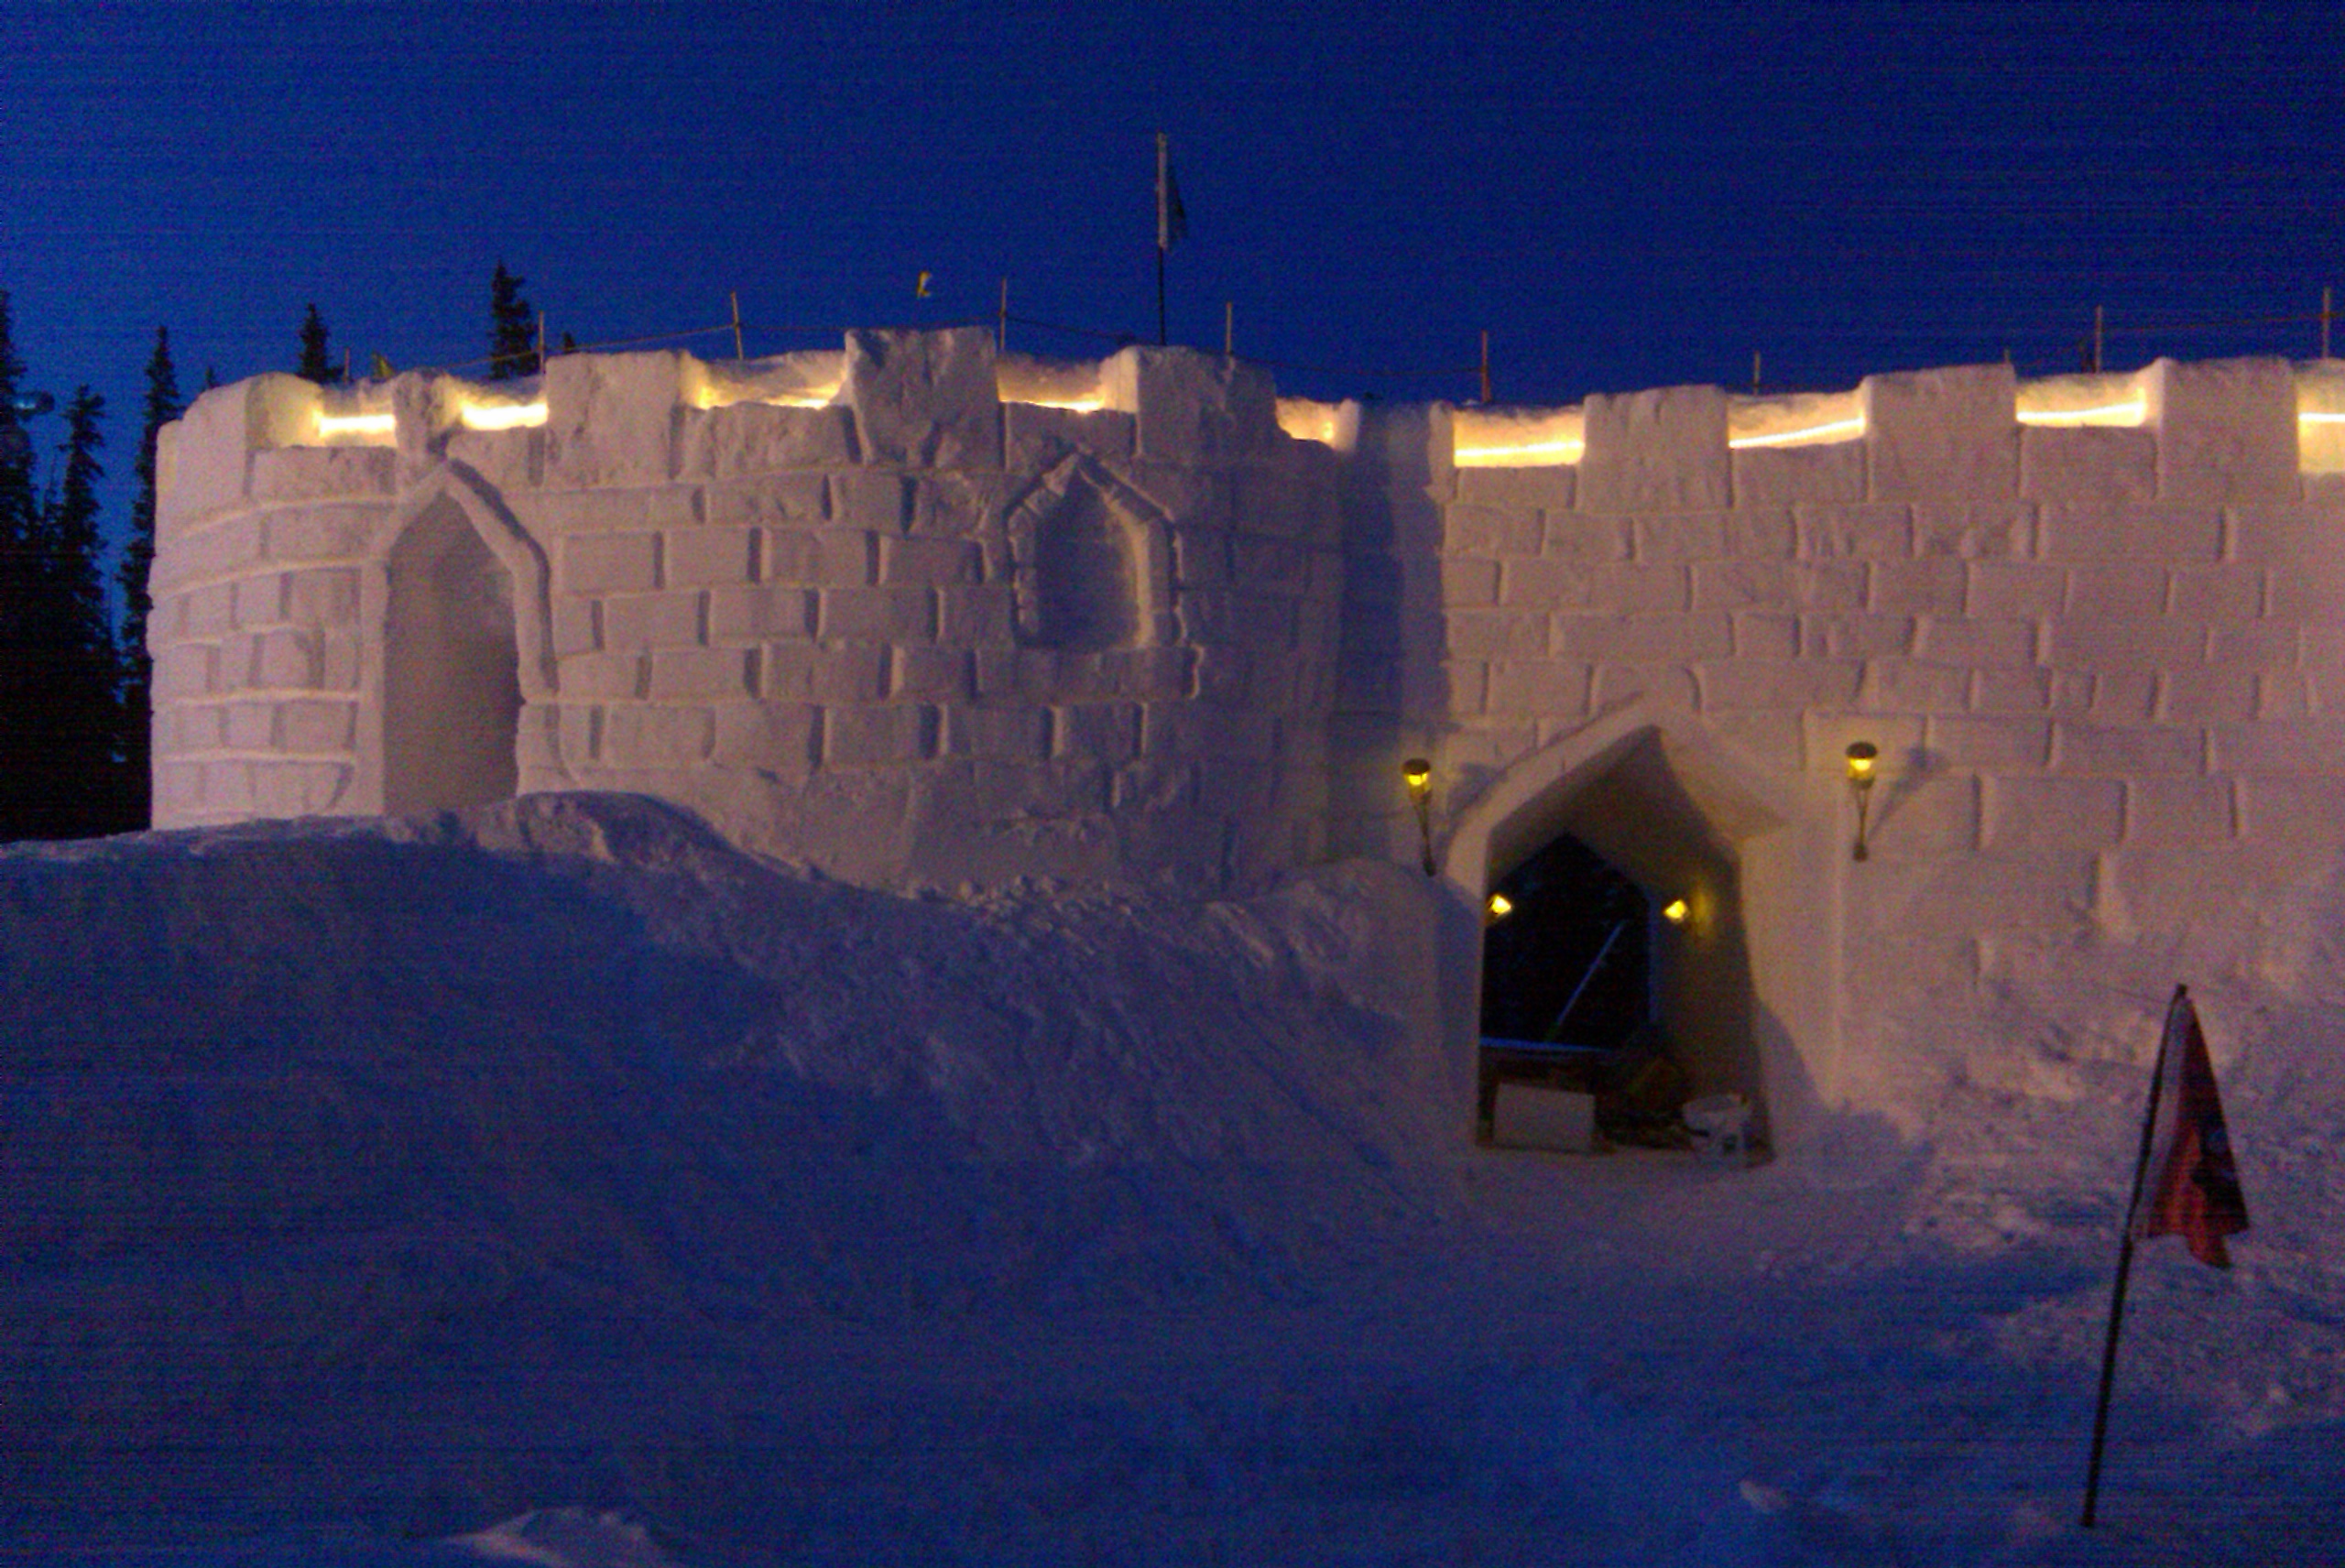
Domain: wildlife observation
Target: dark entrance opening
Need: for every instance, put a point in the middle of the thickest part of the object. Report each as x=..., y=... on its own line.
x=1569, y=963
x=1569, y=995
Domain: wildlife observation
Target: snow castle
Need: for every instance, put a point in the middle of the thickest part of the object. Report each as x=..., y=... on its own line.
x=919, y=613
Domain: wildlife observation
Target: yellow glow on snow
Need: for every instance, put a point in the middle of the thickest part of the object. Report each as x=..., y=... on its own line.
x=502, y=415
x=1306, y=420
x=2120, y=414
x=1528, y=454
x=1072, y=405
x=1517, y=438
x=710, y=398
x=332, y=425
x=1811, y=435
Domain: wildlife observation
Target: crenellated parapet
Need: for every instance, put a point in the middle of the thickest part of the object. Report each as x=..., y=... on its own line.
x=2091, y=625
x=907, y=609
x=916, y=612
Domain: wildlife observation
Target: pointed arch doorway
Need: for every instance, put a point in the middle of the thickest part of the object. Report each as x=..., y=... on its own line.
x=451, y=665
x=1620, y=826
x=455, y=654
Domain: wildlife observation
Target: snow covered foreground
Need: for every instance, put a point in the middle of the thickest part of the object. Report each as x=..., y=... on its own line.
x=555, y=1185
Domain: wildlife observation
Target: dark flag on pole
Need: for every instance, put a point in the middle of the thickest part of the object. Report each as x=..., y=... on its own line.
x=2192, y=1187
x=1172, y=218
x=2186, y=1172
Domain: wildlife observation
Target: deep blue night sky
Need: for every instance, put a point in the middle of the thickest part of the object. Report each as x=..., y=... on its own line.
x=1624, y=196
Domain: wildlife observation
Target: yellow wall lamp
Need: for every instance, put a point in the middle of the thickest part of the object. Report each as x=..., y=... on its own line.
x=1861, y=755
x=1417, y=773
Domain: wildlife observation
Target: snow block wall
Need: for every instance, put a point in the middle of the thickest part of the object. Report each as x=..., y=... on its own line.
x=910, y=611
x=2095, y=626
x=918, y=612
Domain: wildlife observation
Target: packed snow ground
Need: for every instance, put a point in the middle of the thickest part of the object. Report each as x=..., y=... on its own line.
x=553, y=1184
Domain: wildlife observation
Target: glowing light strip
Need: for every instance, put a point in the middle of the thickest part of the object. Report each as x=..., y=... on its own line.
x=1569, y=451
x=728, y=398
x=1819, y=434
x=2320, y=418
x=502, y=415
x=2107, y=414
x=1073, y=405
x=356, y=424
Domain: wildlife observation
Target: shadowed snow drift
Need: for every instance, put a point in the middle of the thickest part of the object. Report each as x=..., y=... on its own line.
x=349, y=1137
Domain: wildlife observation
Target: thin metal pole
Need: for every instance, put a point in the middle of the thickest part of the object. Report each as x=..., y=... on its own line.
x=1486, y=368
x=1755, y=373
x=1001, y=333
x=2125, y=1269
x=736, y=324
x=2100, y=323
x=1555, y=1031
x=2327, y=306
x=1229, y=329
x=541, y=343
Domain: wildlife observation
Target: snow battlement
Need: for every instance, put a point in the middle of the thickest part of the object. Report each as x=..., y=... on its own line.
x=909, y=609
x=918, y=612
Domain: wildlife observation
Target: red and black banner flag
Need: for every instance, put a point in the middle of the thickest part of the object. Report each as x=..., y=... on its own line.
x=2192, y=1187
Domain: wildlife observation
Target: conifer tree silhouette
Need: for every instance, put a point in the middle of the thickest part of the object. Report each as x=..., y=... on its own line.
x=316, y=362
x=135, y=678
x=512, y=328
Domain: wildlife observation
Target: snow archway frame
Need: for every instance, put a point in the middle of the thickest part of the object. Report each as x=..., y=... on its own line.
x=523, y=561
x=1773, y=838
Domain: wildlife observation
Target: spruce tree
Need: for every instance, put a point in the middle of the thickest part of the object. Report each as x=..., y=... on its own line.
x=316, y=362
x=68, y=784
x=162, y=406
x=19, y=541
x=512, y=328
x=89, y=699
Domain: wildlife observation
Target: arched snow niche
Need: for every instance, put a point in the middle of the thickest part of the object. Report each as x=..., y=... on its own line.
x=1665, y=808
x=456, y=616
x=1090, y=562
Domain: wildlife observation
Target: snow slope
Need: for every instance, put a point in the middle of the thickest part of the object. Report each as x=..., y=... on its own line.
x=552, y=1183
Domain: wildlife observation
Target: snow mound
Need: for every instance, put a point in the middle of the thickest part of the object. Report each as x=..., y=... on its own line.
x=360, y=1137
x=364, y=1184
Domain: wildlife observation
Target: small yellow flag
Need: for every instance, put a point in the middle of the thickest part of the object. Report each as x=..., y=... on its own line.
x=919, y=290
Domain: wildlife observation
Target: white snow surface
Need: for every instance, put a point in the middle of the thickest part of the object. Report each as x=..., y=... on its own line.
x=551, y=1183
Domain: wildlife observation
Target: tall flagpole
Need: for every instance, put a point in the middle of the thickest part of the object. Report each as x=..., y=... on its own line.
x=1164, y=225
x=2125, y=1262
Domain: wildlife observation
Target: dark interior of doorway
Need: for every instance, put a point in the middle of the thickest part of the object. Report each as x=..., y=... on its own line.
x=1574, y=928
x=1567, y=993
